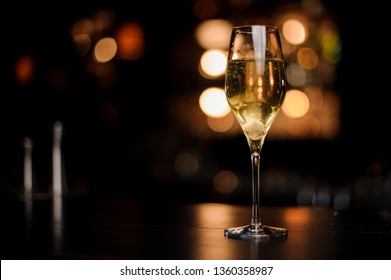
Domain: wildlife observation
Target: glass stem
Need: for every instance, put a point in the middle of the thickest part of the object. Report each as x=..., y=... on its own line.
x=256, y=187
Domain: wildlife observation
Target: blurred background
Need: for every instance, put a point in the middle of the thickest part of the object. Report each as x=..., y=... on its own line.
x=137, y=89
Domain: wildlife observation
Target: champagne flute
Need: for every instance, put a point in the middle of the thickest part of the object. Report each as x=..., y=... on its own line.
x=255, y=88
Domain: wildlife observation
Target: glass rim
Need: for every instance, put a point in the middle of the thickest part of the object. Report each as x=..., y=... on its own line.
x=273, y=28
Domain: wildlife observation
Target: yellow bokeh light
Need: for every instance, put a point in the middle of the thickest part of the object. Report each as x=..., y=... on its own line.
x=213, y=62
x=105, y=49
x=223, y=124
x=307, y=58
x=296, y=104
x=294, y=32
x=214, y=103
x=214, y=34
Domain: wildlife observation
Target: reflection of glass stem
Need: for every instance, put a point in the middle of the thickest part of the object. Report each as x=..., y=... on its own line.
x=28, y=183
x=57, y=178
x=57, y=223
x=57, y=187
x=28, y=173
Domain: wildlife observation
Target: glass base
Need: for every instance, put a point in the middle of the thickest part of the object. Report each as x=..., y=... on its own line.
x=262, y=232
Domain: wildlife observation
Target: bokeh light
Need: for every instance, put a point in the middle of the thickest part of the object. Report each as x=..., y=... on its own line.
x=294, y=32
x=296, y=104
x=105, y=50
x=130, y=39
x=214, y=34
x=225, y=182
x=205, y=9
x=213, y=102
x=307, y=58
x=25, y=69
x=213, y=63
x=222, y=124
x=187, y=164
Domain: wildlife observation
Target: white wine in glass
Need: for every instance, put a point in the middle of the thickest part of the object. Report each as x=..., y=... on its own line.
x=255, y=86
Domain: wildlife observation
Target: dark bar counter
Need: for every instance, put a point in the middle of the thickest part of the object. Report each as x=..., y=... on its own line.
x=84, y=227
